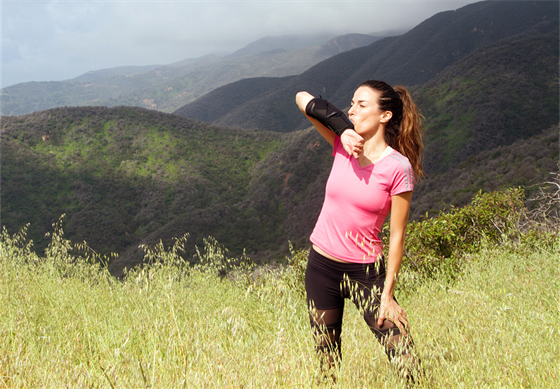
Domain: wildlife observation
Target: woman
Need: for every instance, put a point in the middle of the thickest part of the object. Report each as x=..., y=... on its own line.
x=377, y=154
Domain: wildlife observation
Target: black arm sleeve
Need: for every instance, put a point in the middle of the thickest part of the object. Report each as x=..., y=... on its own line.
x=330, y=116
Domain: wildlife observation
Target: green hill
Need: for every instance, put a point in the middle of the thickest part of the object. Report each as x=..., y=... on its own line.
x=126, y=176
x=524, y=163
x=500, y=93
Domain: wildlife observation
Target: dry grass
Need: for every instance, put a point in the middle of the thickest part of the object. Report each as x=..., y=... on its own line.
x=497, y=326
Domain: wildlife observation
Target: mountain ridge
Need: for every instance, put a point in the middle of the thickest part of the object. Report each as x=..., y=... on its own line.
x=167, y=87
x=337, y=77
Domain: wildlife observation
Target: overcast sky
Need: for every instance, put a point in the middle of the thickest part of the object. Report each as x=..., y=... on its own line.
x=59, y=40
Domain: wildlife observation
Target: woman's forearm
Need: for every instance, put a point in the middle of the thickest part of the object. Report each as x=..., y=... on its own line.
x=400, y=206
x=302, y=99
x=396, y=251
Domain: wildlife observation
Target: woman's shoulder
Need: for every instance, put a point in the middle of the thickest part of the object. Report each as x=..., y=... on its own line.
x=400, y=168
x=397, y=158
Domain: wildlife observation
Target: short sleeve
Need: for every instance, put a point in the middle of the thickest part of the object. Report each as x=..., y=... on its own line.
x=338, y=147
x=336, y=144
x=403, y=175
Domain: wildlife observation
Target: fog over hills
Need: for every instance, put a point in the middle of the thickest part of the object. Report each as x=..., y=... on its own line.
x=284, y=42
x=168, y=87
x=117, y=71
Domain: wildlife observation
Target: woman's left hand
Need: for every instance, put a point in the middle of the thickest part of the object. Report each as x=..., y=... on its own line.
x=390, y=310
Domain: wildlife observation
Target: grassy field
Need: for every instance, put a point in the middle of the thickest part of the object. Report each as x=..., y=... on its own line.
x=65, y=322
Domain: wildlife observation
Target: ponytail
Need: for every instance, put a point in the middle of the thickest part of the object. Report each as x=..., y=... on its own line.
x=409, y=139
x=404, y=130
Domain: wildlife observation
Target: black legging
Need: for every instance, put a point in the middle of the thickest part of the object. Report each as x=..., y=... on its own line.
x=327, y=284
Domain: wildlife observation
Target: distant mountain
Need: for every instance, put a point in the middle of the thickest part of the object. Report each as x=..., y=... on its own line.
x=194, y=63
x=128, y=71
x=333, y=45
x=169, y=87
x=410, y=59
x=118, y=71
x=283, y=42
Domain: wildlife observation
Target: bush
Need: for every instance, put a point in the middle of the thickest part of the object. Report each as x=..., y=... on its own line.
x=441, y=245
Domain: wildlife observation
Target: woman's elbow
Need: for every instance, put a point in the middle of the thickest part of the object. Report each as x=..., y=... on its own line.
x=302, y=98
x=397, y=238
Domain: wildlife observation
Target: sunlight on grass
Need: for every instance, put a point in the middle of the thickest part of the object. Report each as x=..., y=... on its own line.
x=65, y=322
x=497, y=327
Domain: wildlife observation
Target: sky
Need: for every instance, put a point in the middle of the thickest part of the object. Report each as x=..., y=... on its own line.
x=59, y=40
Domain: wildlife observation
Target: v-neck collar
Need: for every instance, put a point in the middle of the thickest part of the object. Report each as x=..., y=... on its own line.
x=384, y=154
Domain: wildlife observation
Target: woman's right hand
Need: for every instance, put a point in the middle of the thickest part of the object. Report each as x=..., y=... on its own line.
x=390, y=310
x=352, y=142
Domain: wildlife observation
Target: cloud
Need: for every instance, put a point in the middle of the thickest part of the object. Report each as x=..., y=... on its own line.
x=57, y=40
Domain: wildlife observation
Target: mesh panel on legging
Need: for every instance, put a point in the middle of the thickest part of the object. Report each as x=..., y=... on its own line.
x=327, y=325
x=368, y=301
x=328, y=284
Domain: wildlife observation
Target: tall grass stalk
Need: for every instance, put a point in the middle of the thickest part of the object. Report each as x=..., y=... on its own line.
x=497, y=327
x=168, y=325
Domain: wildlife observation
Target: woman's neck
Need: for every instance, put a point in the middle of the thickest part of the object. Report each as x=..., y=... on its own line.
x=373, y=149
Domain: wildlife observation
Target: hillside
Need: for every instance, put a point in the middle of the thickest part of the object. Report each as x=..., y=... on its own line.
x=166, y=88
x=126, y=176
x=483, y=101
x=411, y=59
x=524, y=163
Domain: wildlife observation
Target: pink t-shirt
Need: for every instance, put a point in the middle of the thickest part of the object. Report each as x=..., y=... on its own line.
x=357, y=201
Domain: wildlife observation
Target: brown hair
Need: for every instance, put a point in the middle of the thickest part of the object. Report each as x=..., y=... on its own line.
x=404, y=130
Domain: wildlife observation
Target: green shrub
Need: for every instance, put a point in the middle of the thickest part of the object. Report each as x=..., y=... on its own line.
x=440, y=246
x=439, y=243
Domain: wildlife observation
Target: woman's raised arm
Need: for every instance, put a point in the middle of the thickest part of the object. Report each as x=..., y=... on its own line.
x=302, y=99
x=351, y=141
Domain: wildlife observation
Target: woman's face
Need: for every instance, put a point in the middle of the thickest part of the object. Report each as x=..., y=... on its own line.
x=364, y=111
